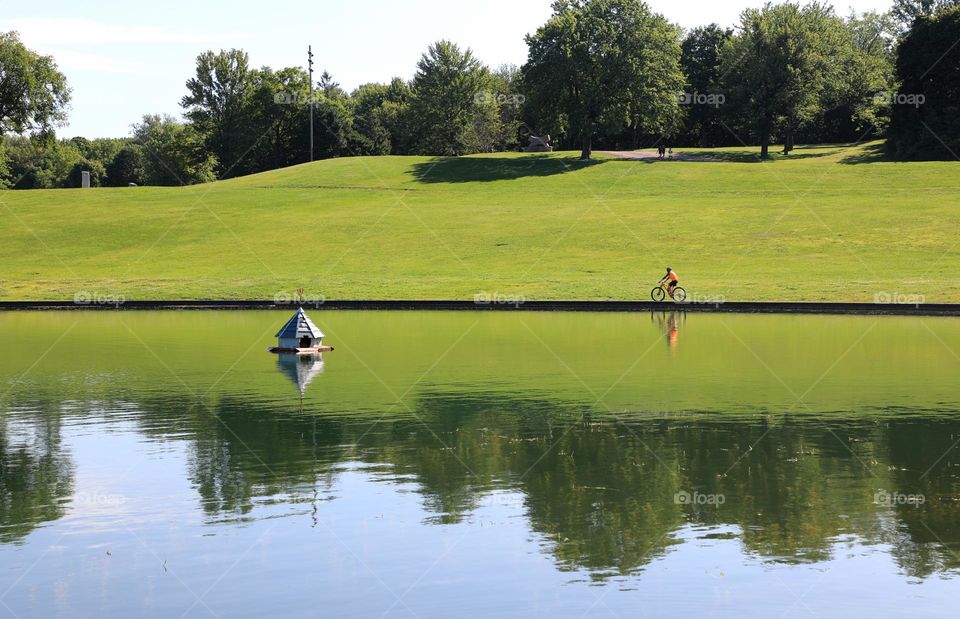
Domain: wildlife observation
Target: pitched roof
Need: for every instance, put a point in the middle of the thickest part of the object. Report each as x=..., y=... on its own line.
x=300, y=369
x=299, y=326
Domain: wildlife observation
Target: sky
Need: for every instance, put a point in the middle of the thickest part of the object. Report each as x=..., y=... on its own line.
x=127, y=58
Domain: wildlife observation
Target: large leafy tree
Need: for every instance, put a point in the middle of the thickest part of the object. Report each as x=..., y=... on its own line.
x=925, y=122
x=373, y=136
x=781, y=65
x=863, y=62
x=908, y=11
x=217, y=104
x=381, y=118
x=603, y=65
x=33, y=93
x=174, y=152
x=447, y=112
x=277, y=114
x=701, y=62
x=129, y=165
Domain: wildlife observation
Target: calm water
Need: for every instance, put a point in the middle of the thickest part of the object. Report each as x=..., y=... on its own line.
x=458, y=464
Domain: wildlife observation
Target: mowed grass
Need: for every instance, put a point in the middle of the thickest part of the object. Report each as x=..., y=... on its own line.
x=830, y=223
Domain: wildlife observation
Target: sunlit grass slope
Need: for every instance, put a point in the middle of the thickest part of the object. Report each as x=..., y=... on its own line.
x=826, y=223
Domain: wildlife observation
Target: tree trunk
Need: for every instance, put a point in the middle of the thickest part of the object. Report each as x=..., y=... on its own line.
x=788, y=141
x=587, y=145
x=764, y=138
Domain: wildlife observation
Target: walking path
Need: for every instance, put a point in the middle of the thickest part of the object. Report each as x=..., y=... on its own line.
x=650, y=154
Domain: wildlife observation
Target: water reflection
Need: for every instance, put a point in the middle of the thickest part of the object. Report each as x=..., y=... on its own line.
x=300, y=369
x=601, y=492
x=36, y=472
x=669, y=323
x=597, y=492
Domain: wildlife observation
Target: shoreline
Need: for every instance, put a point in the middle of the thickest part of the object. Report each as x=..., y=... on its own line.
x=734, y=307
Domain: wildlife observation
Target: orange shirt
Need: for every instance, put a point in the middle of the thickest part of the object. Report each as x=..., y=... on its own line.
x=673, y=276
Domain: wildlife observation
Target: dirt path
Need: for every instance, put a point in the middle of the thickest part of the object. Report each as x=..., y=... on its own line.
x=651, y=155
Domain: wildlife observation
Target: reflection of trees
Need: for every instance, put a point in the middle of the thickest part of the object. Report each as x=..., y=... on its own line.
x=790, y=485
x=602, y=497
x=245, y=450
x=36, y=474
x=926, y=537
x=599, y=492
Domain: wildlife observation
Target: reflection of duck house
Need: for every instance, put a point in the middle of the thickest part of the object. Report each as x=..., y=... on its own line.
x=300, y=336
x=301, y=369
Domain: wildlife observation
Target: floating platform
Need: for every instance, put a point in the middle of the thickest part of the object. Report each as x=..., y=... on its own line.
x=301, y=351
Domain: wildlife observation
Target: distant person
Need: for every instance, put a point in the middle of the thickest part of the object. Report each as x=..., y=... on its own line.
x=661, y=151
x=671, y=153
x=674, y=281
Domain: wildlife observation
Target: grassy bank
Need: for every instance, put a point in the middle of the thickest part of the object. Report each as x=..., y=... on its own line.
x=828, y=223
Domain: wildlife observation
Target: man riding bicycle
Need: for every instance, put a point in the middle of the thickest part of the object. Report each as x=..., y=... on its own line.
x=674, y=281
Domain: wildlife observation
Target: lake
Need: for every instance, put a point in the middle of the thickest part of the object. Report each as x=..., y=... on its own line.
x=467, y=464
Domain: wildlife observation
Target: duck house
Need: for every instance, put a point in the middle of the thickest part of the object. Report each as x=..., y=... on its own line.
x=300, y=336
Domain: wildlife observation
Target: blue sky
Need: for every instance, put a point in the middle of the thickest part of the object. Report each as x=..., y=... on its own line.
x=125, y=58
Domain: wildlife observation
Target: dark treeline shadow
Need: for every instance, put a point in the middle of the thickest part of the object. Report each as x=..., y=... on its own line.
x=753, y=157
x=486, y=169
x=874, y=153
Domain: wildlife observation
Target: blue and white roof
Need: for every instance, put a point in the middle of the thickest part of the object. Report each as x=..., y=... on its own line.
x=299, y=326
x=301, y=369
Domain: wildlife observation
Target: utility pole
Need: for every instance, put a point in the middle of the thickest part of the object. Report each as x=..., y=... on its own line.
x=310, y=71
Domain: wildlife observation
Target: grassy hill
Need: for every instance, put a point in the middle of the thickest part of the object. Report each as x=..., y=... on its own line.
x=827, y=223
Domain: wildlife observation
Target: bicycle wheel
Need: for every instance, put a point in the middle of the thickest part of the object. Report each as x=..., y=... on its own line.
x=658, y=294
x=679, y=295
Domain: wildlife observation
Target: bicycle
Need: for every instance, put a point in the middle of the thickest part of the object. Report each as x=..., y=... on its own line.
x=660, y=293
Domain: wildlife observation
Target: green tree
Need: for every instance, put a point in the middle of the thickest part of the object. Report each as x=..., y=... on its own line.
x=33, y=93
x=6, y=177
x=507, y=92
x=278, y=113
x=373, y=136
x=864, y=63
x=905, y=12
x=701, y=63
x=98, y=173
x=128, y=166
x=448, y=113
x=780, y=66
x=924, y=122
x=601, y=65
x=175, y=153
x=217, y=104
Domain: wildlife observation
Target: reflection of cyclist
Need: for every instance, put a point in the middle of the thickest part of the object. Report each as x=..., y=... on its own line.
x=673, y=336
x=674, y=281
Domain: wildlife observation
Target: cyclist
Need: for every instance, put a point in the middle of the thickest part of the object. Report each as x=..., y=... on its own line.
x=674, y=281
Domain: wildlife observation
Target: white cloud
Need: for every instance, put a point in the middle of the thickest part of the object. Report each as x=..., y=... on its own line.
x=74, y=61
x=55, y=31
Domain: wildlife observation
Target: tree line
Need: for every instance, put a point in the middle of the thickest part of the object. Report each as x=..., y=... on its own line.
x=599, y=73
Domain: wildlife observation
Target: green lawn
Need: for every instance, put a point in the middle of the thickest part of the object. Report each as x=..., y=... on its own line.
x=828, y=223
